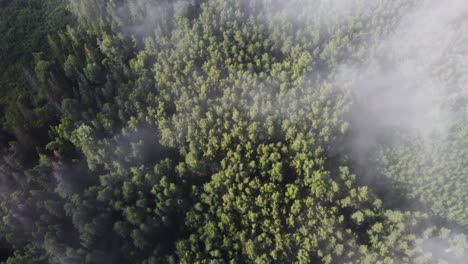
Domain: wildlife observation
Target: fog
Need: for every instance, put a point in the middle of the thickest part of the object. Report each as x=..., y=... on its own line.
x=403, y=94
x=402, y=89
x=400, y=92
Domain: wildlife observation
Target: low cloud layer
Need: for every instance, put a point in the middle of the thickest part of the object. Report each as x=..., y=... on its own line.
x=403, y=88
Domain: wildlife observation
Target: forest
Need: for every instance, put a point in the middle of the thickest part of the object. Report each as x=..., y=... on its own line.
x=233, y=131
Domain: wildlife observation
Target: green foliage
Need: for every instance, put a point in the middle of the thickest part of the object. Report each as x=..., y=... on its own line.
x=209, y=132
x=24, y=27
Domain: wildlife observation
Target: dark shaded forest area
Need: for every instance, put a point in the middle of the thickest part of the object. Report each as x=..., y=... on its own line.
x=233, y=131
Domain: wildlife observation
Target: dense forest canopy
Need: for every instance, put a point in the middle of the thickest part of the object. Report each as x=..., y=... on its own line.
x=233, y=131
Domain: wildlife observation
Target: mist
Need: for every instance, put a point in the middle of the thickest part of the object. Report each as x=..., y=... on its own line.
x=208, y=95
x=402, y=95
x=402, y=89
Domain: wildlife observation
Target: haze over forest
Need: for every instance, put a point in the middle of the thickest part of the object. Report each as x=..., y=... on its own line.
x=233, y=131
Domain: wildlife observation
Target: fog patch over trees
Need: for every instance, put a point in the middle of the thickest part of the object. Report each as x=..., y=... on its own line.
x=238, y=131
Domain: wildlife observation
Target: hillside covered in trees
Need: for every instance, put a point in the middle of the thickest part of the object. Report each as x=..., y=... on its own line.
x=233, y=131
